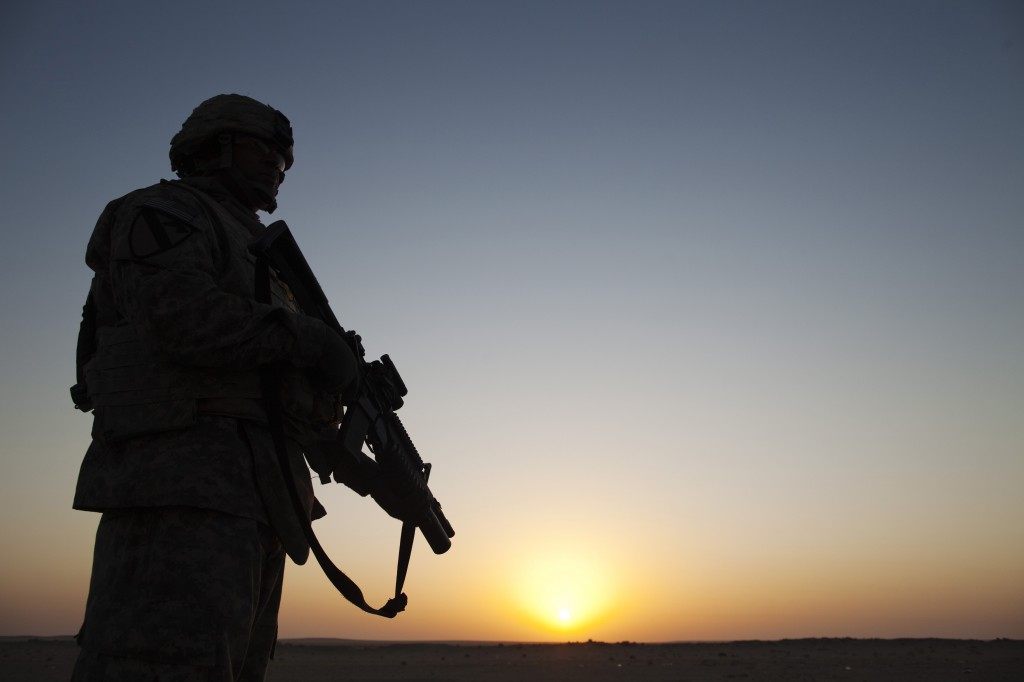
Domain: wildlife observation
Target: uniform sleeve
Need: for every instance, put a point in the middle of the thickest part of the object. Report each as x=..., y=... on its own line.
x=164, y=273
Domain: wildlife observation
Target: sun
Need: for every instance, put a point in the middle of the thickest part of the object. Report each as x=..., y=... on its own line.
x=564, y=592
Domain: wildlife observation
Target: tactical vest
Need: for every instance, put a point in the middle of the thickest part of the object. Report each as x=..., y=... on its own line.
x=131, y=391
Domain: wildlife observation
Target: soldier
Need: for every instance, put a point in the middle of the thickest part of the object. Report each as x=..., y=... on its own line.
x=196, y=521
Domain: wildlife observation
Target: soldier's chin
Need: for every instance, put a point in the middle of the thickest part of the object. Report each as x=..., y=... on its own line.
x=267, y=195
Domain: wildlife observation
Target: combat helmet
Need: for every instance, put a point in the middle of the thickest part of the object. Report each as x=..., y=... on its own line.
x=229, y=114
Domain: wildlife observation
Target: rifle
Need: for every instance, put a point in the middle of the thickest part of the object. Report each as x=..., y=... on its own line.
x=396, y=476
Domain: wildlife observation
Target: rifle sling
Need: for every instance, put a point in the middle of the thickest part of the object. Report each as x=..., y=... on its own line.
x=270, y=379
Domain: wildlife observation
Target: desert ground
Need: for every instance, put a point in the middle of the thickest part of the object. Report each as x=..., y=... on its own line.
x=27, y=659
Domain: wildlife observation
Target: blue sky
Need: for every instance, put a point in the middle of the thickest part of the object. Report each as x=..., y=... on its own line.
x=746, y=276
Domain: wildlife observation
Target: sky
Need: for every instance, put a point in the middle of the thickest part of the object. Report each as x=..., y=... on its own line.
x=710, y=312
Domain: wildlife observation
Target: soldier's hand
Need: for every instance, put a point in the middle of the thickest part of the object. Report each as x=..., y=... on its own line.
x=337, y=372
x=411, y=506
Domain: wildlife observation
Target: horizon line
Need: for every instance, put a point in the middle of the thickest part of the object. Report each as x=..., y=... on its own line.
x=345, y=641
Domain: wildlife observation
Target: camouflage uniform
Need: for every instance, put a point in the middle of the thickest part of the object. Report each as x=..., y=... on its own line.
x=196, y=522
x=180, y=594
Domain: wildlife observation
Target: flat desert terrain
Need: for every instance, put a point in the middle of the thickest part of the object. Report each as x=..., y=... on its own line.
x=25, y=659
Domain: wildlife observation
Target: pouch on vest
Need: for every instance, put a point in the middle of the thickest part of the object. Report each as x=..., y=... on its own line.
x=133, y=393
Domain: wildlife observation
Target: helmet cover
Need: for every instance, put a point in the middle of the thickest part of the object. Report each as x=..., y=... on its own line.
x=230, y=114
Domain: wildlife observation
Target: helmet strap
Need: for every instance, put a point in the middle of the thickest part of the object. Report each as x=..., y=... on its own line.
x=226, y=145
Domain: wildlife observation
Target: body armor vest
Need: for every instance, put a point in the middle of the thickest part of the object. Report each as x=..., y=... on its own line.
x=131, y=390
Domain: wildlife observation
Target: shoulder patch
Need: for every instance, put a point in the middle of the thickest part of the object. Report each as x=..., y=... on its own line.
x=173, y=209
x=155, y=232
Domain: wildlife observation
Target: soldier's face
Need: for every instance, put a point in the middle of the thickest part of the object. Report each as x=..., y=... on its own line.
x=260, y=162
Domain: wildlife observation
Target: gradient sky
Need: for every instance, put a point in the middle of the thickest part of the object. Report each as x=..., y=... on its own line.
x=712, y=313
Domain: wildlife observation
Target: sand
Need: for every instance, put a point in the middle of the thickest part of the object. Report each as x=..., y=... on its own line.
x=26, y=659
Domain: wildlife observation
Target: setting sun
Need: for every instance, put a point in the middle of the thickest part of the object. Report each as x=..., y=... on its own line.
x=564, y=591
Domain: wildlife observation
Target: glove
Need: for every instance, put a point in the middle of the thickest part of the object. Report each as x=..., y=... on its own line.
x=410, y=507
x=337, y=372
x=357, y=471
